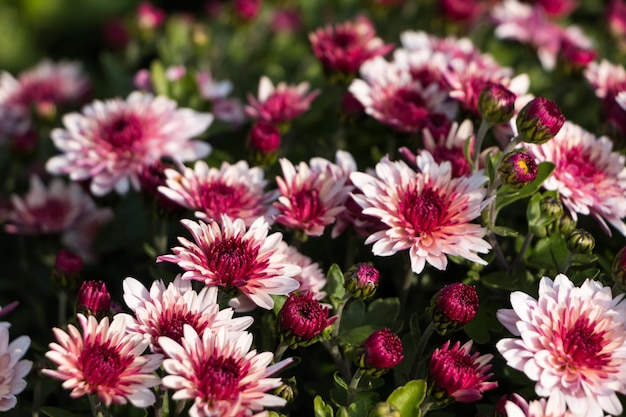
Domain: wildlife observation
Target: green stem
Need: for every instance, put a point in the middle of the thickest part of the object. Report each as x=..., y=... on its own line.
x=478, y=142
x=406, y=286
x=160, y=402
x=425, y=407
x=180, y=407
x=161, y=235
x=280, y=351
x=567, y=263
x=97, y=408
x=419, y=350
x=510, y=146
x=62, y=315
x=347, y=297
x=354, y=384
x=340, y=362
x=520, y=256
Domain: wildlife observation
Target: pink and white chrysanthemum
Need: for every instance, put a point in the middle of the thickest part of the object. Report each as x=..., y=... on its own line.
x=537, y=408
x=48, y=83
x=104, y=360
x=279, y=104
x=162, y=311
x=13, y=368
x=589, y=176
x=572, y=342
x=311, y=278
x=110, y=141
x=461, y=375
x=229, y=255
x=450, y=147
x=58, y=209
x=428, y=212
x=606, y=78
x=220, y=374
x=389, y=94
x=311, y=196
x=236, y=190
x=346, y=46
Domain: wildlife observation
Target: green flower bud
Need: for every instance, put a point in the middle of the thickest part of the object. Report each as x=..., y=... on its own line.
x=288, y=390
x=361, y=280
x=580, y=241
x=496, y=103
x=384, y=410
x=539, y=121
x=551, y=207
x=619, y=267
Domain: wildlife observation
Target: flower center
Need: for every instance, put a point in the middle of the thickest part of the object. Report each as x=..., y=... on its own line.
x=171, y=325
x=52, y=215
x=231, y=260
x=218, y=198
x=36, y=92
x=102, y=365
x=578, y=165
x=219, y=378
x=423, y=211
x=582, y=347
x=306, y=205
x=407, y=106
x=123, y=131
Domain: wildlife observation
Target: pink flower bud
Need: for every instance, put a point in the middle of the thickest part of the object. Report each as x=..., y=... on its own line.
x=539, y=121
x=362, y=280
x=496, y=103
x=453, y=307
x=94, y=299
x=517, y=169
x=302, y=319
x=381, y=351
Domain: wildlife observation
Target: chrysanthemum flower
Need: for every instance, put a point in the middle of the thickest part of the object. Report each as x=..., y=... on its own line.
x=226, y=254
x=104, y=360
x=110, y=141
x=13, y=368
x=162, y=311
x=537, y=408
x=571, y=342
x=429, y=212
x=450, y=147
x=46, y=84
x=390, y=95
x=220, y=374
x=608, y=80
x=381, y=351
x=279, y=104
x=235, y=190
x=311, y=195
x=589, y=176
x=345, y=46
x=455, y=374
x=302, y=318
x=60, y=209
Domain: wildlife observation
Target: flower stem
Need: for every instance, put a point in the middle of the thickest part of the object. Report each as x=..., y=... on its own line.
x=425, y=407
x=567, y=263
x=280, y=351
x=62, y=315
x=478, y=142
x=340, y=362
x=97, y=408
x=159, y=405
x=419, y=350
x=520, y=256
x=354, y=384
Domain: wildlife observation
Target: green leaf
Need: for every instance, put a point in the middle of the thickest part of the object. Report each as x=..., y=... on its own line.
x=580, y=277
x=503, y=231
x=56, y=412
x=340, y=382
x=359, y=408
x=409, y=397
x=334, y=285
x=357, y=322
x=507, y=195
x=279, y=301
x=322, y=409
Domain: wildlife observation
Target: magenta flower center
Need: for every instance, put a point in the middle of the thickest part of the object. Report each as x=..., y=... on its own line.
x=582, y=346
x=219, y=378
x=232, y=261
x=171, y=325
x=423, y=211
x=578, y=165
x=123, y=131
x=217, y=198
x=454, y=370
x=102, y=365
x=407, y=106
x=35, y=92
x=306, y=205
x=52, y=215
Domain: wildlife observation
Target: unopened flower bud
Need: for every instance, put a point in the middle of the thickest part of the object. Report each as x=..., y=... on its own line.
x=384, y=409
x=539, y=121
x=580, y=241
x=453, y=307
x=517, y=169
x=551, y=207
x=566, y=223
x=362, y=280
x=264, y=142
x=93, y=299
x=67, y=270
x=381, y=351
x=619, y=267
x=302, y=319
x=288, y=390
x=496, y=103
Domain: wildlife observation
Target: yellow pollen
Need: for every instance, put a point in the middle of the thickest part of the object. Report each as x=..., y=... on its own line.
x=521, y=164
